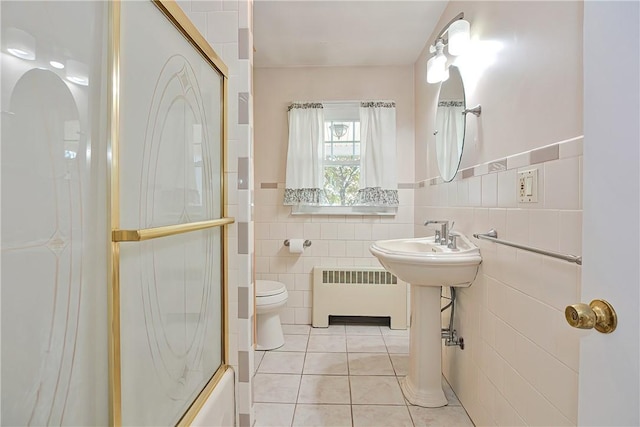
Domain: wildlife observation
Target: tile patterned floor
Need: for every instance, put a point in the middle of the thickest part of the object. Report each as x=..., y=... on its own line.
x=344, y=375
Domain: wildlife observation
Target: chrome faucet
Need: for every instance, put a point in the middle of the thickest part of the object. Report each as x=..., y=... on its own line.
x=442, y=235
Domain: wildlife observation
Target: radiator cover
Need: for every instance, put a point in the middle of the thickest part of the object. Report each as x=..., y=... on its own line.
x=358, y=291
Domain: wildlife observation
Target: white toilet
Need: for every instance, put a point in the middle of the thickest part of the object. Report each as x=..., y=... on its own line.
x=271, y=296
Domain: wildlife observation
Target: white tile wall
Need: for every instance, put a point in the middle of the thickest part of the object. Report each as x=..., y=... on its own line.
x=489, y=190
x=223, y=26
x=507, y=189
x=475, y=191
x=520, y=363
x=206, y=5
x=563, y=176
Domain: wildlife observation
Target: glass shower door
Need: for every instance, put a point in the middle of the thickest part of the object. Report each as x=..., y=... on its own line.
x=112, y=222
x=54, y=219
x=170, y=197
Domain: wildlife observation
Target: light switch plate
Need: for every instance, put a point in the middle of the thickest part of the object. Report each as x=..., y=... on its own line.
x=528, y=186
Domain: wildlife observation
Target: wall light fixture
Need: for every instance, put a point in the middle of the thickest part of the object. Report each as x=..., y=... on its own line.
x=437, y=70
x=456, y=36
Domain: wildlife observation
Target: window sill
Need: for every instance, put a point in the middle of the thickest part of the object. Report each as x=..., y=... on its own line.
x=343, y=210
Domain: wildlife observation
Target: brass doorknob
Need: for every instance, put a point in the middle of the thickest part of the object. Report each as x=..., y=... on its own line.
x=599, y=314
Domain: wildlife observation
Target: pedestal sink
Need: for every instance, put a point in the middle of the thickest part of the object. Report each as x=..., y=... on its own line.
x=427, y=266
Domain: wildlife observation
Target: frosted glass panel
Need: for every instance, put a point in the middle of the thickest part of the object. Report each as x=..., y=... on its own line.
x=171, y=324
x=170, y=124
x=54, y=271
x=170, y=173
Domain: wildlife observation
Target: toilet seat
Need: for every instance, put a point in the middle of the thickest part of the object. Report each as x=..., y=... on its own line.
x=266, y=288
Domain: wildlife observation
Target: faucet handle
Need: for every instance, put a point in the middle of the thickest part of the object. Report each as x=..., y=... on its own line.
x=452, y=241
x=437, y=237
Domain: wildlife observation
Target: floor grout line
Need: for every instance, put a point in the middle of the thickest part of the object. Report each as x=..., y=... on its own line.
x=349, y=376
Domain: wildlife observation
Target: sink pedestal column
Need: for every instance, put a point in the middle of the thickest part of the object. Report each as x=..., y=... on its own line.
x=423, y=385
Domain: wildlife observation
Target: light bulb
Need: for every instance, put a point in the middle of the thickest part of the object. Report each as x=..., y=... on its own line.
x=445, y=75
x=437, y=65
x=436, y=69
x=459, y=36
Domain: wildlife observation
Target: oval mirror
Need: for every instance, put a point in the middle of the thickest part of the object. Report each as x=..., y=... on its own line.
x=450, y=125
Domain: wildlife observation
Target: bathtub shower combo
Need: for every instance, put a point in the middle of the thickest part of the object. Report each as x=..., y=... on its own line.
x=113, y=230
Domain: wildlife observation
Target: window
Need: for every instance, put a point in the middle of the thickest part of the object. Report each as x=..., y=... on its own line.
x=341, y=162
x=328, y=169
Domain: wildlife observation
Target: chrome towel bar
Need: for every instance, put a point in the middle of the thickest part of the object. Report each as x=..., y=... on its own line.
x=492, y=236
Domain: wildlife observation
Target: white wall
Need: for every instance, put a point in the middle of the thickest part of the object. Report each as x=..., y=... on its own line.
x=336, y=240
x=520, y=363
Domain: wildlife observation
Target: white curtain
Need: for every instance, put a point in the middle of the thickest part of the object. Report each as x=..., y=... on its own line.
x=304, y=181
x=378, y=180
x=450, y=136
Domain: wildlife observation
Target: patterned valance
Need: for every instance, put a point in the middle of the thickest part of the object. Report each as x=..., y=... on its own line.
x=304, y=196
x=305, y=105
x=376, y=196
x=451, y=104
x=378, y=104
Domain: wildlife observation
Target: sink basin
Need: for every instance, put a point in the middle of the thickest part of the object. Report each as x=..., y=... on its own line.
x=422, y=262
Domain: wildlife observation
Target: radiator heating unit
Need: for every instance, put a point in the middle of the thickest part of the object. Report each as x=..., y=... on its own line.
x=355, y=291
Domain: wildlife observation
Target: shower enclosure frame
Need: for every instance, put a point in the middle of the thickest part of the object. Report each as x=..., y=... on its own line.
x=181, y=22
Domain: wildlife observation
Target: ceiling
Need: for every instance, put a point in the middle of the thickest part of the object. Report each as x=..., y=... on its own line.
x=308, y=33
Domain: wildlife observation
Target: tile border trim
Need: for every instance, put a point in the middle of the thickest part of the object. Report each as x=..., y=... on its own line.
x=559, y=150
